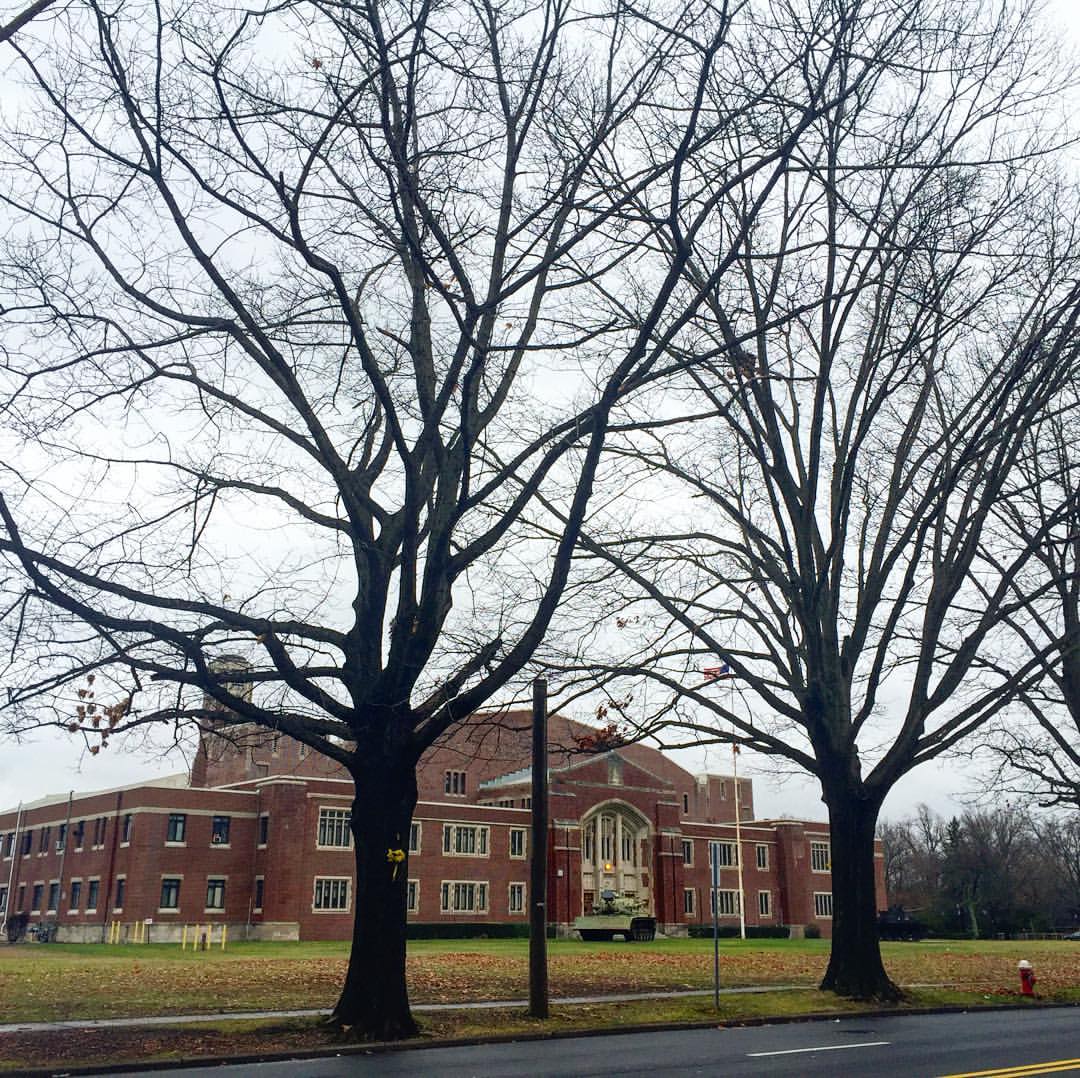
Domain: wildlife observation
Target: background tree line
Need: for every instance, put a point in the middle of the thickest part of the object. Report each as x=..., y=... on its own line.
x=986, y=872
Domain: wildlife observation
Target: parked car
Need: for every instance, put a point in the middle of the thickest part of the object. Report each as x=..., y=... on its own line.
x=1072, y=935
x=896, y=923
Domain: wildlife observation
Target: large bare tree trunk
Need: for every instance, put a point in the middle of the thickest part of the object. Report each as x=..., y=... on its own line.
x=374, y=1002
x=855, y=966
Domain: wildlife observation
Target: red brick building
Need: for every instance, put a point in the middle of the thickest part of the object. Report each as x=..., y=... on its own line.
x=257, y=837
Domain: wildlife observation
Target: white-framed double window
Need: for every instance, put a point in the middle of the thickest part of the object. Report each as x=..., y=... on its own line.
x=334, y=833
x=724, y=854
x=331, y=894
x=413, y=896
x=823, y=904
x=761, y=856
x=728, y=903
x=465, y=840
x=463, y=896
x=764, y=903
x=689, y=901
x=215, y=894
x=516, y=900
x=820, y=857
x=517, y=842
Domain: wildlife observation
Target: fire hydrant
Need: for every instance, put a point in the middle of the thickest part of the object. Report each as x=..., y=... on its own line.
x=1027, y=979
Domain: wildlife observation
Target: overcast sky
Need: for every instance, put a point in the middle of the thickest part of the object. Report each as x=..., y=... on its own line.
x=54, y=764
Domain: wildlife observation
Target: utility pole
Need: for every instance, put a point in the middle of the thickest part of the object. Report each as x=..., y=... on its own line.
x=538, y=971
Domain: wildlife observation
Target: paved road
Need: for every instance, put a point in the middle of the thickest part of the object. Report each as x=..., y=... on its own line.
x=1039, y=1042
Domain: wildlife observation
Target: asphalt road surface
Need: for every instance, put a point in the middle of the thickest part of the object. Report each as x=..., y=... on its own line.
x=1002, y=1044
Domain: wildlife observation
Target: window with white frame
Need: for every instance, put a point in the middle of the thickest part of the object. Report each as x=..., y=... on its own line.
x=175, y=831
x=413, y=896
x=465, y=840
x=764, y=903
x=170, y=893
x=517, y=841
x=462, y=896
x=724, y=854
x=3, y=899
x=331, y=893
x=54, y=896
x=215, y=893
x=687, y=851
x=761, y=854
x=517, y=898
x=454, y=783
x=414, y=837
x=728, y=903
x=93, y=887
x=334, y=830
x=689, y=901
x=823, y=903
x=260, y=889
x=820, y=857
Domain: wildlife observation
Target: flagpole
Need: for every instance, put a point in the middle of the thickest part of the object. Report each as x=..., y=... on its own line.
x=738, y=841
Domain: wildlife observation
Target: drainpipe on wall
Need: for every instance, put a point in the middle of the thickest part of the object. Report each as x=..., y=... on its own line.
x=63, y=857
x=254, y=862
x=108, y=896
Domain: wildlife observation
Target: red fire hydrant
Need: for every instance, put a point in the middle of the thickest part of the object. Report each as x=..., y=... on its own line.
x=1027, y=979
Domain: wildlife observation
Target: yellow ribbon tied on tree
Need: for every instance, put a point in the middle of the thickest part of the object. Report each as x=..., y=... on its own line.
x=395, y=858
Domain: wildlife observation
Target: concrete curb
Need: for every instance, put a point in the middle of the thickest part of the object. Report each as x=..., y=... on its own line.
x=385, y=1047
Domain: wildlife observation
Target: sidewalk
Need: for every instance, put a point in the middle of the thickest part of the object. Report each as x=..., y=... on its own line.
x=419, y=1008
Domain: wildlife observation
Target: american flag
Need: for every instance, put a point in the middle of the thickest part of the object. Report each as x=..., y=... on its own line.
x=719, y=673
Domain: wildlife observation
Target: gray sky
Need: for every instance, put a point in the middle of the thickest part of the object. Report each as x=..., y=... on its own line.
x=54, y=763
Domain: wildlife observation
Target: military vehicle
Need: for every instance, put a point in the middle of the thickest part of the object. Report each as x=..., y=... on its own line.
x=613, y=916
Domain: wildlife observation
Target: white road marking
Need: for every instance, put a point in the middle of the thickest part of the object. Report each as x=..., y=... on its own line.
x=820, y=1048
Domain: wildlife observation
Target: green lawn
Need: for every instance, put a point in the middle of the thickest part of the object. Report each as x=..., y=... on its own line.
x=40, y=982
x=70, y=981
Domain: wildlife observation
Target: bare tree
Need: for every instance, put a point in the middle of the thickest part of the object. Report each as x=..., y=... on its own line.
x=23, y=19
x=907, y=309
x=310, y=311
x=1036, y=744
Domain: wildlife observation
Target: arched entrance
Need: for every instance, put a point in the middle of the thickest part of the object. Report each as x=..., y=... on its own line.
x=614, y=854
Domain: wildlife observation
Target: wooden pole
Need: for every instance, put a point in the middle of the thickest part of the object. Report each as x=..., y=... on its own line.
x=538, y=971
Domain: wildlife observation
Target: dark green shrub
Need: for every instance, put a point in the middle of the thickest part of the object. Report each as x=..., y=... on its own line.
x=467, y=931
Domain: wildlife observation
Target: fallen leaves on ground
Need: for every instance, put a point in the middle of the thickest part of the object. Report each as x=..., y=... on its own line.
x=37, y=986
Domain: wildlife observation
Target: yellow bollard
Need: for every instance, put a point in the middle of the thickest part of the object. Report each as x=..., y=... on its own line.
x=183, y=938
x=224, y=933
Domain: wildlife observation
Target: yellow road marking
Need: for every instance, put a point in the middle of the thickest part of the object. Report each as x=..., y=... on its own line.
x=1051, y=1066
